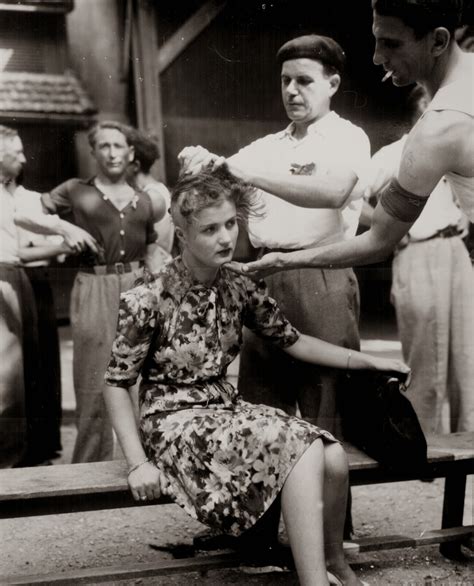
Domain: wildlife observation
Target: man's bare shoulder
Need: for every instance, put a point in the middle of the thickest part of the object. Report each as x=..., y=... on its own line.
x=438, y=129
x=446, y=136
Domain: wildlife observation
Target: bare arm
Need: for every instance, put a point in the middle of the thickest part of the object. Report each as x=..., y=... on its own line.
x=328, y=187
x=158, y=202
x=74, y=236
x=38, y=223
x=316, y=351
x=153, y=258
x=44, y=252
x=145, y=479
x=371, y=246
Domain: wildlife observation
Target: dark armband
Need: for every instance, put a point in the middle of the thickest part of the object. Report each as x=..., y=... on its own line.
x=400, y=203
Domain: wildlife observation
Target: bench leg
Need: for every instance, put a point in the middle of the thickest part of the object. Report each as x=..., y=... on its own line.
x=453, y=509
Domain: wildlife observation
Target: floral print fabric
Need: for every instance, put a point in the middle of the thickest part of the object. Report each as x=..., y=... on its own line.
x=224, y=460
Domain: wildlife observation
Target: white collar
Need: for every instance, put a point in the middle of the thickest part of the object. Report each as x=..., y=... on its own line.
x=323, y=126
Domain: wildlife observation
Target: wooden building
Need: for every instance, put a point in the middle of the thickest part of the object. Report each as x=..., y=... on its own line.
x=189, y=72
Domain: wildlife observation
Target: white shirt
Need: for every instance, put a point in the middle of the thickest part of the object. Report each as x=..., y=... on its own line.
x=329, y=142
x=440, y=210
x=164, y=227
x=350, y=217
x=26, y=199
x=8, y=230
x=22, y=214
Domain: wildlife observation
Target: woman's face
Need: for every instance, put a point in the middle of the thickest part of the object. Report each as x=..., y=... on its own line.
x=209, y=240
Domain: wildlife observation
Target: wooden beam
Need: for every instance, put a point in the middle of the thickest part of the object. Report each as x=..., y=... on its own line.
x=127, y=40
x=145, y=76
x=224, y=560
x=186, y=34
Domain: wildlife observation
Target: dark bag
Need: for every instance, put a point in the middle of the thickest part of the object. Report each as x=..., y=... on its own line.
x=379, y=420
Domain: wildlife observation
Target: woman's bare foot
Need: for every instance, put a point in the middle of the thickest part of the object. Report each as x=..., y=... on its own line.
x=344, y=574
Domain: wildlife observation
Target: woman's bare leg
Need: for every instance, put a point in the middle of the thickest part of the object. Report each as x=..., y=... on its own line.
x=302, y=507
x=336, y=483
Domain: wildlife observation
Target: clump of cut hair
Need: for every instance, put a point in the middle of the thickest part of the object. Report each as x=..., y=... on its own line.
x=194, y=193
x=422, y=16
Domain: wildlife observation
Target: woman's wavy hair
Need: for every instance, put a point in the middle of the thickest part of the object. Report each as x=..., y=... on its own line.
x=193, y=193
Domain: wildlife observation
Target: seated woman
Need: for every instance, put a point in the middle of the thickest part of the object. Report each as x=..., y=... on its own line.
x=223, y=460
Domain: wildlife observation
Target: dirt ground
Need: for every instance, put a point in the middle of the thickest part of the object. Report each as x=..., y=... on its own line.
x=81, y=540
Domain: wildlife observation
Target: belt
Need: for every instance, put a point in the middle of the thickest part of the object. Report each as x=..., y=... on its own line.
x=448, y=232
x=118, y=268
x=265, y=250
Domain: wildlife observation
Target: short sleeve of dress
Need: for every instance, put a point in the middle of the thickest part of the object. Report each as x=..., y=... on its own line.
x=137, y=322
x=58, y=200
x=263, y=316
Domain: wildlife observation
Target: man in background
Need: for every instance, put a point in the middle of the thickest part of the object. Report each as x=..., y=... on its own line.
x=121, y=219
x=17, y=306
x=146, y=153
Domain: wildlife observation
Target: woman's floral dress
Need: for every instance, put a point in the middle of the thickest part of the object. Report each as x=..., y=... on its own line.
x=225, y=460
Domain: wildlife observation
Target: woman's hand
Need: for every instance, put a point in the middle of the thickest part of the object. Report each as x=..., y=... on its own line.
x=392, y=365
x=146, y=482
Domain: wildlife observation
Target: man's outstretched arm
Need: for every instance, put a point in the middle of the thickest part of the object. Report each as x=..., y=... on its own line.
x=427, y=157
x=371, y=246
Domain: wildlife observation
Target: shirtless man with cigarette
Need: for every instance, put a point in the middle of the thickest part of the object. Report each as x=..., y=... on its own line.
x=414, y=42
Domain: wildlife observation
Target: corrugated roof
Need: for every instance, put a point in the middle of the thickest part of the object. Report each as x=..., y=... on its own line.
x=39, y=93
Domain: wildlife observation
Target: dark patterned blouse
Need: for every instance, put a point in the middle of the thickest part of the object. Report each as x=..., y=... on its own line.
x=122, y=235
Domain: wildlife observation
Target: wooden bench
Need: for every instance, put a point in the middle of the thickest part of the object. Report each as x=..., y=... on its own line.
x=26, y=492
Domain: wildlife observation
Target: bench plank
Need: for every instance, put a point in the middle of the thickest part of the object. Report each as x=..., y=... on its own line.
x=92, y=486
x=460, y=445
x=358, y=460
x=66, y=479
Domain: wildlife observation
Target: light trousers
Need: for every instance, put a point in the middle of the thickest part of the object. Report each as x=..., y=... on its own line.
x=95, y=303
x=433, y=294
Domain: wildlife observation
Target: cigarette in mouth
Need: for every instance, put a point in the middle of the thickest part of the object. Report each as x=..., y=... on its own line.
x=388, y=75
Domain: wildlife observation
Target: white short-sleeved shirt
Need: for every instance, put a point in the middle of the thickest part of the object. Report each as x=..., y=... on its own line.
x=164, y=227
x=8, y=230
x=14, y=212
x=29, y=201
x=329, y=142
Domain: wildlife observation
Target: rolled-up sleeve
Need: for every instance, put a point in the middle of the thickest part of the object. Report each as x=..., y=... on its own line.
x=137, y=321
x=58, y=200
x=263, y=316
